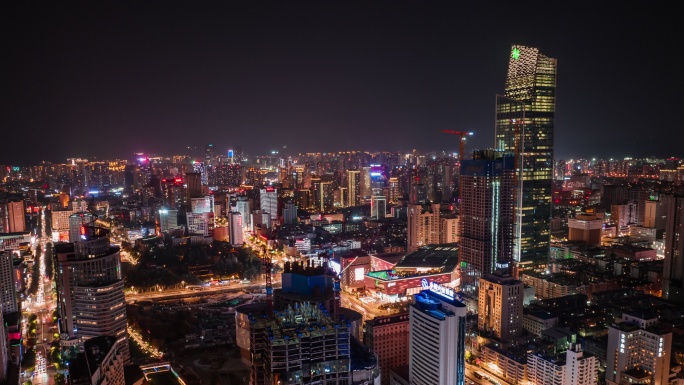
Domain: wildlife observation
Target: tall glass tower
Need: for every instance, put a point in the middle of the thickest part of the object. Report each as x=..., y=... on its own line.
x=524, y=126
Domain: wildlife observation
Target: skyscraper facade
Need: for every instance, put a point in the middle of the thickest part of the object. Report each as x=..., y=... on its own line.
x=90, y=290
x=8, y=294
x=673, y=270
x=436, y=339
x=423, y=226
x=486, y=216
x=268, y=201
x=353, y=187
x=525, y=127
x=500, y=306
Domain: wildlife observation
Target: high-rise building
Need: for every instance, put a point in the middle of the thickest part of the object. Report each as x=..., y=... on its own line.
x=243, y=205
x=193, y=181
x=586, y=228
x=437, y=334
x=639, y=351
x=90, y=290
x=353, y=187
x=423, y=225
x=418, y=194
x=673, y=270
x=290, y=214
x=8, y=294
x=378, y=207
x=486, y=217
x=200, y=223
x=500, y=306
x=573, y=367
x=3, y=348
x=76, y=221
x=202, y=205
x=12, y=217
x=100, y=363
x=268, y=201
x=236, y=231
x=450, y=230
x=324, y=196
x=394, y=192
x=655, y=214
x=388, y=338
x=525, y=127
x=168, y=220
x=365, y=190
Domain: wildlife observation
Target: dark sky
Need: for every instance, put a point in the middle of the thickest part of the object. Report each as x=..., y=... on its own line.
x=109, y=78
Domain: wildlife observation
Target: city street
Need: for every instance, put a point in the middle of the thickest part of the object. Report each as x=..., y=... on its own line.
x=42, y=305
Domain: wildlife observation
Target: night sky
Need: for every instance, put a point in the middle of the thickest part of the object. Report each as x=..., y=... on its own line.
x=109, y=78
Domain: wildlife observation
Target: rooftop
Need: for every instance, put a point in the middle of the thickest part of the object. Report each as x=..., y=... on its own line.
x=443, y=258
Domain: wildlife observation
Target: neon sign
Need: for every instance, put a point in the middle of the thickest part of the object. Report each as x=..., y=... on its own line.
x=438, y=289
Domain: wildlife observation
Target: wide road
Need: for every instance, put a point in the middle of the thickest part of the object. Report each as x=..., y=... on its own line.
x=257, y=284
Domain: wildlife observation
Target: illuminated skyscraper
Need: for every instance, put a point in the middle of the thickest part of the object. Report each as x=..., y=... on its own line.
x=486, y=217
x=436, y=337
x=673, y=271
x=90, y=290
x=353, y=187
x=525, y=126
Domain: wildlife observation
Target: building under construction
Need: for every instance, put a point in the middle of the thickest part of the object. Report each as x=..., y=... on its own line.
x=300, y=345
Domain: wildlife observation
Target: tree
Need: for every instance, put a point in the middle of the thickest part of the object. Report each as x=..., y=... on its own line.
x=60, y=379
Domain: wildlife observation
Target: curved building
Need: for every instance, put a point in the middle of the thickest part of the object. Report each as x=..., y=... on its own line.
x=90, y=290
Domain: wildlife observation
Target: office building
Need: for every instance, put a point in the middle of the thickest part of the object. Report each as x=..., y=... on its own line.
x=12, y=217
x=60, y=224
x=623, y=214
x=168, y=219
x=394, y=191
x=378, y=207
x=486, y=217
x=388, y=338
x=354, y=187
x=236, y=229
x=365, y=188
x=655, y=214
x=574, y=367
x=200, y=223
x=525, y=126
x=202, y=205
x=324, y=196
x=500, y=306
x=437, y=333
x=290, y=214
x=268, y=201
x=418, y=194
x=586, y=228
x=423, y=225
x=450, y=230
x=244, y=207
x=101, y=363
x=639, y=351
x=8, y=294
x=76, y=221
x=673, y=270
x=193, y=181
x=90, y=291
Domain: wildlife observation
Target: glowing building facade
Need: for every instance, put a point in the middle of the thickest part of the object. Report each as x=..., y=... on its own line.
x=525, y=127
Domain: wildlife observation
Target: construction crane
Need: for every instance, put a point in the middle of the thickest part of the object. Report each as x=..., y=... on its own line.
x=461, y=144
x=267, y=268
x=337, y=287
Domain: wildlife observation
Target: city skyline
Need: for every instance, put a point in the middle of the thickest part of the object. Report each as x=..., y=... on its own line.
x=110, y=80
